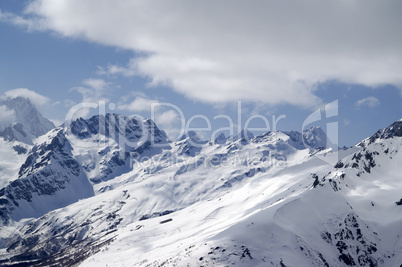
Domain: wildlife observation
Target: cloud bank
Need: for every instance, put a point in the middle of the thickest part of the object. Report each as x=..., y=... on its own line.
x=218, y=51
x=37, y=99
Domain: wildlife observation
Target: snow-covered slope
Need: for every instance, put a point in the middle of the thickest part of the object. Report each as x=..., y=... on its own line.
x=308, y=214
x=12, y=156
x=62, y=167
x=18, y=130
x=49, y=179
x=269, y=200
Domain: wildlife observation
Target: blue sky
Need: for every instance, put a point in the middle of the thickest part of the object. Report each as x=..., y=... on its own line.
x=134, y=53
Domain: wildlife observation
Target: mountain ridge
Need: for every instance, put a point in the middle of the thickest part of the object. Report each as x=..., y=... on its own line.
x=227, y=196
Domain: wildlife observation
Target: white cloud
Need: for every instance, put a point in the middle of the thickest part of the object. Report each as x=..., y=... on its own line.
x=98, y=85
x=29, y=23
x=168, y=117
x=7, y=116
x=170, y=122
x=370, y=101
x=68, y=103
x=266, y=51
x=138, y=104
x=57, y=122
x=92, y=93
x=130, y=70
x=37, y=99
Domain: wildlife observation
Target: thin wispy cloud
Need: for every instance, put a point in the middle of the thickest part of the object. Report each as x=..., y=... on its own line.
x=164, y=116
x=7, y=116
x=169, y=121
x=243, y=51
x=370, y=101
x=98, y=85
x=93, y=91
x=30, y=23
x=138, y=104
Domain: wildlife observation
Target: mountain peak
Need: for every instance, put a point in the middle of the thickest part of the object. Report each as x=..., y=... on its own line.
x=244, y=136
x=312, y=138
x=394, y=130
x=315, y=137
x=313, y=128
x=25, y=113
x=16, y=131
x=220, y=139
x=104, y=188
x=117, y=126
x=190, y=135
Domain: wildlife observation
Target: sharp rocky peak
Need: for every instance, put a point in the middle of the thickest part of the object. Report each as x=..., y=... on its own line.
x=312, y=138
x=17, y=132
x=315, y=137
x=55, y=146
x=25, y=113
x=220, y=139
x=117, y=126
x=394, y=130
x=190, y=135
x=50, y=170
x=244, y=136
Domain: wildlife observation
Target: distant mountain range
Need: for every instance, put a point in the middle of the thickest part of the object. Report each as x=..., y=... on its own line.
x=114, y=190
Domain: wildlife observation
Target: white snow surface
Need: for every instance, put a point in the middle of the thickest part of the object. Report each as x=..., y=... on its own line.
x=10, y=161
x=267, y=202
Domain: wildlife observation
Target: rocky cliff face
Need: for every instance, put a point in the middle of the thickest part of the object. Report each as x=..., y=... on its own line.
x=394, y=130
x=49, y=179
x=108, y=145
x=63, y=167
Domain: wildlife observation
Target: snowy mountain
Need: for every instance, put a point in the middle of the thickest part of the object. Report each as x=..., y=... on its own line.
x=12, y=156
x=27, y=116
x=107, y=145
x=20, y=125
x=220, y=139
x=313, y=138
x=394, y=130
x=60, y=168
x=49, y=179
x=113, y=190
x=17, y=132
